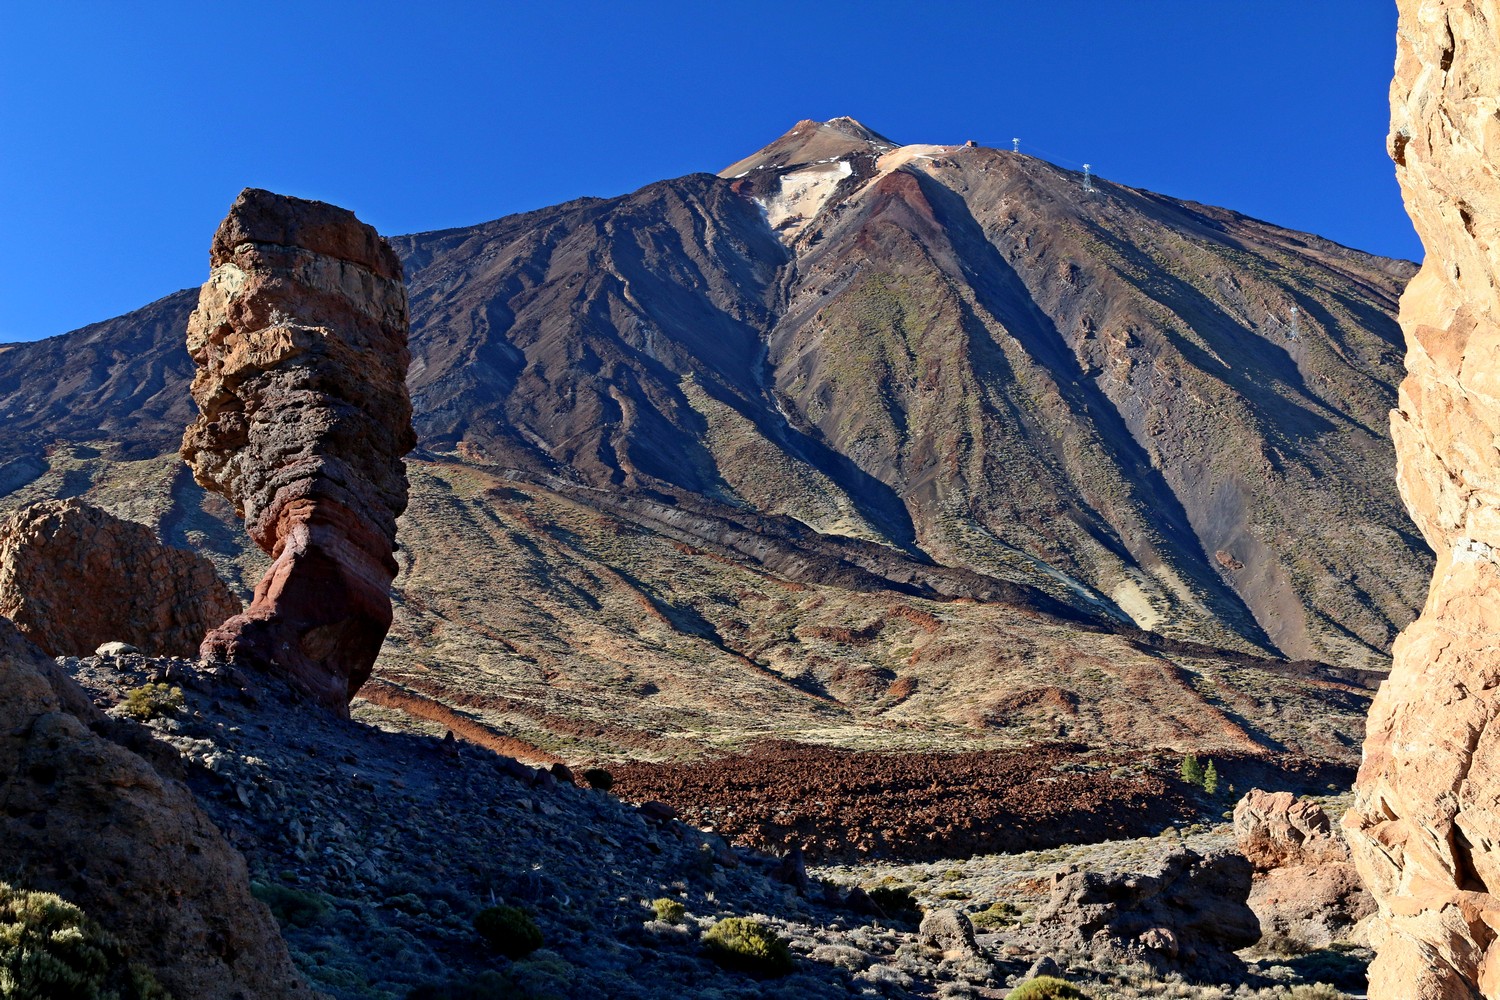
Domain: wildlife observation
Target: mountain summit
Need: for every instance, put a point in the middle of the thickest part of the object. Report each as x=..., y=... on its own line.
x=809, y=142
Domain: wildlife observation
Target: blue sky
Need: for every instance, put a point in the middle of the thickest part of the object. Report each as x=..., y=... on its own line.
x=126, y=130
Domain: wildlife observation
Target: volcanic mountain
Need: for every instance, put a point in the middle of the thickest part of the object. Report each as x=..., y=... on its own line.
x=852, y=436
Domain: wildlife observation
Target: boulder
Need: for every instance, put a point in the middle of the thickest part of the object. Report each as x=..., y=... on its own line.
x=95, y=823
x=1185, y=912
x=300, y=339
x=1425, y=824
x=1306, y=893
x=1277, y=829
x=1313, y=906
x=949, y=931
x=73, y=577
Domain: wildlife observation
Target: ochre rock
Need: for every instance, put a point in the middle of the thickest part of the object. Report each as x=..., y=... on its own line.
x=73, y=576
x=95, y=823
x=1277, y=829
x=1314, y=905
x=1425, y=826
x=1306, y=890
x=300, y=341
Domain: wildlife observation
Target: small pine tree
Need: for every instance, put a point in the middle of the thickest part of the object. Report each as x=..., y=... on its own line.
x=1192, y=771
x=1211, y=779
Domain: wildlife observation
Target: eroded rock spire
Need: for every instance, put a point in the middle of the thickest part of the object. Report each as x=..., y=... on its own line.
x=300, y=337
x=1425, y=827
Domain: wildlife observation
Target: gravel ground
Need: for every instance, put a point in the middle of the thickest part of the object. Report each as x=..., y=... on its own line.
x=376, y=846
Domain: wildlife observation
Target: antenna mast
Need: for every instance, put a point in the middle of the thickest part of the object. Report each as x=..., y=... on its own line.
x=1015, y=145
x=1088, y=179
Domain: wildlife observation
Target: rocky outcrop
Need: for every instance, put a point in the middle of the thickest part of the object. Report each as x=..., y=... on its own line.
x=1307, y=907
x=73, y=576
x=1278, y=830
x=1425, y=826
x=1186, y=912
x=98, y=825
x=1306, y=891
x=300, y=341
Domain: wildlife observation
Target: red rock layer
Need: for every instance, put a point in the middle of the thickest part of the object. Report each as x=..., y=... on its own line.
x=1425, y=829
x=300, y=342
x=73, y=576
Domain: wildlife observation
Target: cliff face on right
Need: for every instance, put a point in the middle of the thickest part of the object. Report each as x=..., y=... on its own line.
x=1426, y=825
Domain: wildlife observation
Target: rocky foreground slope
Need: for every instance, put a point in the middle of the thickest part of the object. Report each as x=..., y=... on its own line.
x=1425, y=825
x=94, y=812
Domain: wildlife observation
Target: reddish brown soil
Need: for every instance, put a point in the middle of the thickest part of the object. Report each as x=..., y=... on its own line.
x=386, y=695
x=841, y=804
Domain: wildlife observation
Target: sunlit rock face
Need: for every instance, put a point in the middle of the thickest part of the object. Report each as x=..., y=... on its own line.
x=300, y=338
x=1426, y=823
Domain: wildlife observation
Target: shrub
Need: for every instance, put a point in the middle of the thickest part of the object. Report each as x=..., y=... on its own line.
x=49, y=949
x=748, y=946
x=598, y=777
x=509, y=930
x=290, y=906
x=669, y=911
x=894, y=900
x=997, y=915
x=1046, y=988
x=150, y=701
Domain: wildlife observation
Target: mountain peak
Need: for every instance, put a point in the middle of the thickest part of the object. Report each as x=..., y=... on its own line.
x=855, y=129
x=811, y=141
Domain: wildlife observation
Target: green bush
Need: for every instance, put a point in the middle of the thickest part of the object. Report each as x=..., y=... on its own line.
x=1046, y=988
x=669, y=911
x=509, y=930
x=290, y=906
x=150, y=701
x=50, y=950
x=748, y=946
x=598, y=777
x=997, y=915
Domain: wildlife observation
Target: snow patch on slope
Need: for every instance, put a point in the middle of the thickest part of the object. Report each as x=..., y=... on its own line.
x=801, y=194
